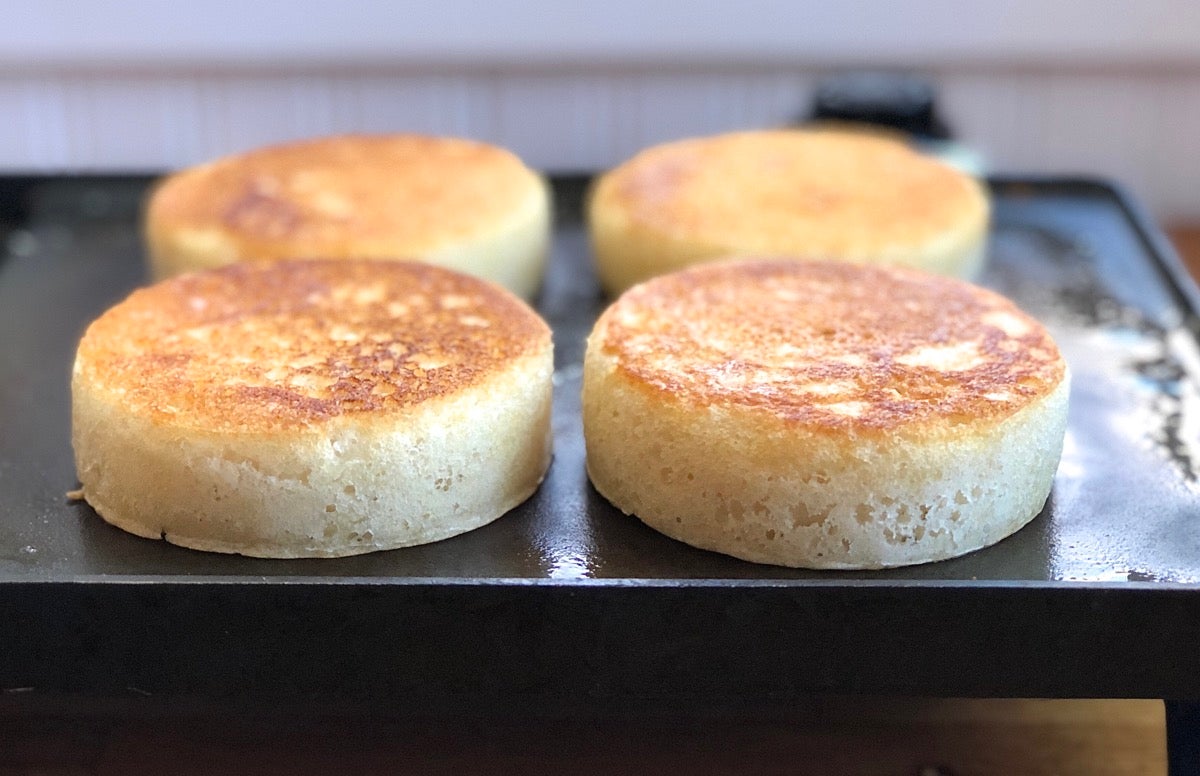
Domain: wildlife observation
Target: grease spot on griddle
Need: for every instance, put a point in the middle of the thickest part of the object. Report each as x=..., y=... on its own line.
x=1158, y=362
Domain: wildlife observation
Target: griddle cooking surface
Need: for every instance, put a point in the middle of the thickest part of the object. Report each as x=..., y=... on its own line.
x=1122, y=508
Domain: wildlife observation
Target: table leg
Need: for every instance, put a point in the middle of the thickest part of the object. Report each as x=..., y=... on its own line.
x=1183, y=738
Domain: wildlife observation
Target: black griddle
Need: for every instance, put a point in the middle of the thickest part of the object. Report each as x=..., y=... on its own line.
x=565, y=602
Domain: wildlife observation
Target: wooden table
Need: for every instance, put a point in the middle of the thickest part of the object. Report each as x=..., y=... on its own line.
x=1187, y=241
x=830, y=736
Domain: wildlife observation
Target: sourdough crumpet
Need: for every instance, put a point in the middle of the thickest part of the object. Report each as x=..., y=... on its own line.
x=312, y=408
x=455, y=203
x=820, y=194
x=823, y=414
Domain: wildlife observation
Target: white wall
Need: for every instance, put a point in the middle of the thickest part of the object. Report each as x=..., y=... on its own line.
x=1103, y=87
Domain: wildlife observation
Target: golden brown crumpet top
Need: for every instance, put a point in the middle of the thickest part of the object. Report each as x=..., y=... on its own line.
x=261, y=347
x=833, y=194
x=831, y=345
x=350, y=195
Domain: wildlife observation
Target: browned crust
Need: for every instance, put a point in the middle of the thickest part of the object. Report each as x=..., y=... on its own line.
x=253, y=347
x=831, y=346
x=836, y=193
x=340, y=196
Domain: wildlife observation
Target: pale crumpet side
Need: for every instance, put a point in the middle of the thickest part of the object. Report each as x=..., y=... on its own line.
x=312, y=408
x=823, y=414
x=456, y=203
x=818, y=194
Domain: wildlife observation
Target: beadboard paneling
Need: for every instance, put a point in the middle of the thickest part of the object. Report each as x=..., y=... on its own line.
x=1141, y=125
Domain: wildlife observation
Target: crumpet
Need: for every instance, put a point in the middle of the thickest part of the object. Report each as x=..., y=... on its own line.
x=820, y=194
x=823, y=414
x=316, y=408
x=456, y=203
